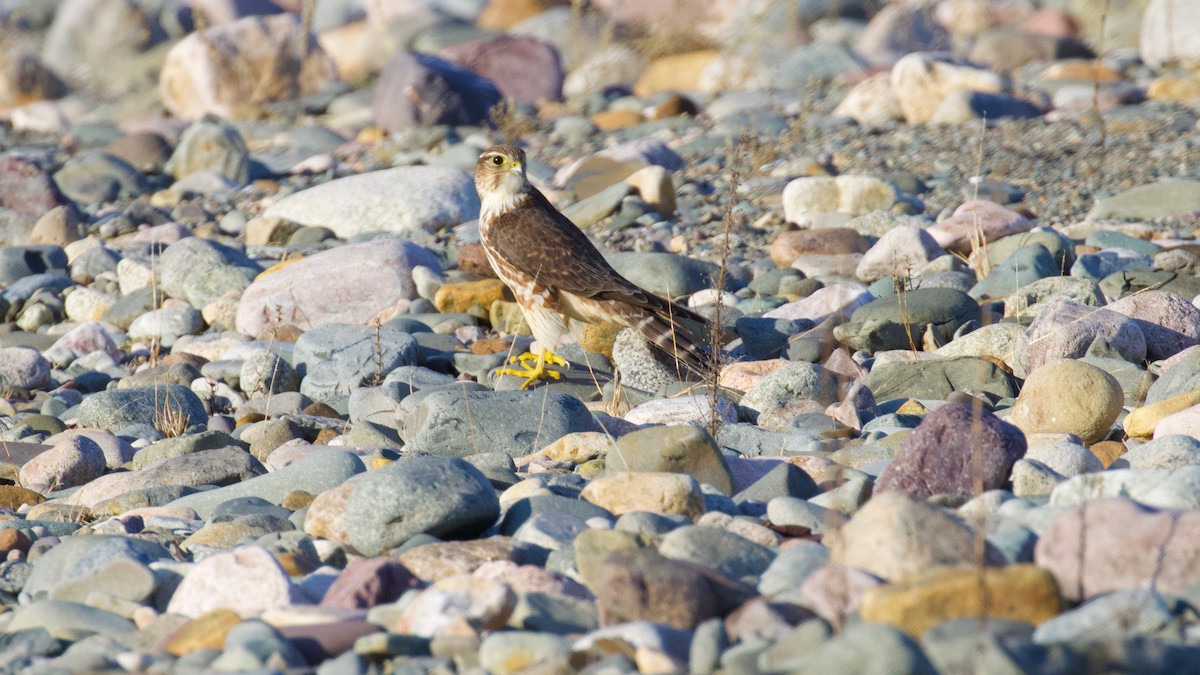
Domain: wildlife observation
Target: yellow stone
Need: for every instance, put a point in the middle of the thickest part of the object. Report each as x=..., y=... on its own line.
x=912, y=407
x=656, y=187
x=461, y=296
x=1140, y=422
x=507, y=319
x=207, y=631
x=13, y=496
x=657, y=492
x=1184, y=90
x=1018, y=592
x=579, y=447
x=677, y=72
x=598, y=338
x=1108, y=451
x=612, y=120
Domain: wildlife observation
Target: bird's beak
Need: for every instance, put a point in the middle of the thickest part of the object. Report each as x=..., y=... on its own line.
x=516, y=169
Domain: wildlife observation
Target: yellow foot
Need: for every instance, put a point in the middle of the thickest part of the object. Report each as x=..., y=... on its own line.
x=533, y=367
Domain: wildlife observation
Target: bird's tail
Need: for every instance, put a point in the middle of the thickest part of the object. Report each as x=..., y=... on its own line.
x=663, y=328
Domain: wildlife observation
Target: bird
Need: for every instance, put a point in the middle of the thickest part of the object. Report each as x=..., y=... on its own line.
x=558, y=275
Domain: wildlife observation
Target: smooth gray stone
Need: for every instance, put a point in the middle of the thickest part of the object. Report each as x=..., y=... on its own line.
x=864, y=649
x=938, y=379
x=794, y=512
x=333, y=359
x=753, y=441
x=442, y=496
x=173, y=407
x=1160, y=199
x=1025, y=266
x=717, y=549
x=68, y=620
x=78, y=557
x=1113, y=239
x=314, y=475
x=211, y=144
x=1097, y=266
x=785, y=480
x=974, y=645
x=1113, y=616
x=790, y=568
x=458, y=423
x=522, y=510
x=666, y=274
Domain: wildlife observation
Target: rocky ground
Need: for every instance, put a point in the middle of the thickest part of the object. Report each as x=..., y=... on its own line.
x=251, y=418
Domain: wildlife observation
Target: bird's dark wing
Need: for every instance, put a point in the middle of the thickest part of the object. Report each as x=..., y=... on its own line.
x=538, y=240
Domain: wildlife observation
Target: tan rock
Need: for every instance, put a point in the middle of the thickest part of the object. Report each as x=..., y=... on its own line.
x=1068, y=396
x=790, y=245
x=501, y=15
x=1140, y=422
x=922, y=80
x=598, y=338
x=818, y=195
x=613, y=120
x=234, y=69
x=463, y=295
x=677, y=72
x=1184, y=90
x=657, y=492
x=58, y=226
x=579, y=447
x=207, y=631
x=871, y=102
x=1018, y=592
x=359, y=50
x=441, y=560
x=743, y=375
x=656, y=187
x=1108, y=451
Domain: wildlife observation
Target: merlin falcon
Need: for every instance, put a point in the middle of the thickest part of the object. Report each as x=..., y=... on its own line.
x=557, y=275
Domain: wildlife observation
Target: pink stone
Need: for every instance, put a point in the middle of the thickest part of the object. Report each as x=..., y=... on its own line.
x=975, y=218
x=834, y=591
x=247, y=580
x=1111, y=544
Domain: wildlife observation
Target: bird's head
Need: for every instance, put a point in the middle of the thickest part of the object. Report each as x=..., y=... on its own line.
x=500, y=172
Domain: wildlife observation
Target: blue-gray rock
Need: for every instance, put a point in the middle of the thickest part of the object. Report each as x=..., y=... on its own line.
x=1097, y=266
x=768, y=338
x=90, y=264
x=937, y=379
x=681, y=449
x=753, y=441
x=666, y=274
x=733, y=556
x=405, y=201
x=267, y=373
x=1164, y=452
x=257, y=644
x=165, y=326
x=1114, y=239
x=643, y=366
x=785, y=480
x=416, y=90
x=965, y=645
x=459, y=423
x=17, y=262
x=67, y=620
x=442, y=496
x=335, y=358
x=80, y=557
x=96, y=177
x=792, y=382
x=794, y=512
x=523, y=510
x=865, y=648
x=783, y=578
x=314, y=475
x=168, y=408
x=1113, y=616
x=200, y=270
x=1025, y=266
x=819, y=60
x=211, y=144
x=1161, y=199
x=900, y=321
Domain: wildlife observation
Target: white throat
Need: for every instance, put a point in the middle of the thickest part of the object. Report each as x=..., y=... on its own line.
x=497, y=202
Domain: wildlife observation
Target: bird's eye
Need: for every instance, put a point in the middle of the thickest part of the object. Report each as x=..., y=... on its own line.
x=497, y=160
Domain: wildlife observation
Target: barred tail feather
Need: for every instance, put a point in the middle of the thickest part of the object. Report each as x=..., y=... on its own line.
x=673, y=339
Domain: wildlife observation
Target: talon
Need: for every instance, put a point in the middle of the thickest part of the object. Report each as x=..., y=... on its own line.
x=533, y=367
